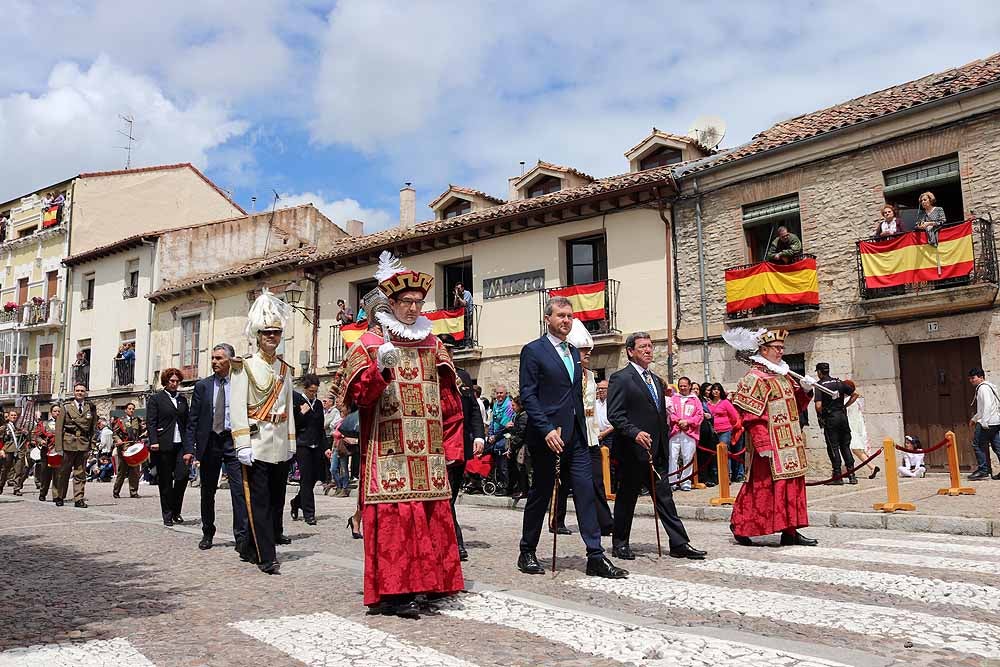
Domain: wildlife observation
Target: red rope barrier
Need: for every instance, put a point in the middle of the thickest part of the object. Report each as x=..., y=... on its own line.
x=734, y=456
x=923, y=451
x=849, y=472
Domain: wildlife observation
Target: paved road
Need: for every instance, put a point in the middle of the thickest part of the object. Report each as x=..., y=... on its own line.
x=112, y=585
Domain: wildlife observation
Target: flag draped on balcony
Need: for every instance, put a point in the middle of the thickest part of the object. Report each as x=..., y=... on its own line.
x=589, y=301
x=448, y=322
x=764, y=282
x=908, y=258
x=351, y=332
x=50, y=216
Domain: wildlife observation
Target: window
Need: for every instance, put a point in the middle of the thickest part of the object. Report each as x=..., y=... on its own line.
x=543, y=186
x=190, y=333
x=124, y=362
x=51, y=284
x=81, y=365
x=22, y=291
x=661, y=157
x=797, y=364
x=457, y=207
x=87, y=292
x=761, y=222
x=131, y=279
x=941, y=176
x=459, y=272
x=360, y=289
x=586, y=260
x=27, y=231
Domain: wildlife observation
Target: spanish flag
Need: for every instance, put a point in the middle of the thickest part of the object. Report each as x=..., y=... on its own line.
x=50, y=216
x=351, y=332
x=908, y=258
x=448, y=322
x=790, y=284
x=588, y=300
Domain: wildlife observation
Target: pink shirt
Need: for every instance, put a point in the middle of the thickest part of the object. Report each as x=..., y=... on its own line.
x=689, y=409
x=724, y=416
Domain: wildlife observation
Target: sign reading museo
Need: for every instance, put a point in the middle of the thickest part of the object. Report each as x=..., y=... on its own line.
x=518, y=283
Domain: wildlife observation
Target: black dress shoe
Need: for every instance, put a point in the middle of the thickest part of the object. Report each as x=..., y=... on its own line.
x=282, y=539
x=310, y=521
x=406, y=609
x=602, y=567
x=168, y=521
x=58, y=502
x=178, y=519
x=978, y=475
x=270, y=568
x=115, y=495
x=528, y=563
x=561, y=530
x=996, y=476
x=687, y=551
x=294, y=509
x=463, y=554
x=80, y=503
x=134, y=495
x=205, y=544
x=625, y=552
x=795, y=538
x=41, y=497
x=853, y=479
x=874, y=473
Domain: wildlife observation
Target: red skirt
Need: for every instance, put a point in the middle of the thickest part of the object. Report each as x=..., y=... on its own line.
x=765, y=506
x=410, y=548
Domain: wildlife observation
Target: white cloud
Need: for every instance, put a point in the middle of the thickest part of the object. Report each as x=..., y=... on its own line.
x=342, y=210
x=71, y=126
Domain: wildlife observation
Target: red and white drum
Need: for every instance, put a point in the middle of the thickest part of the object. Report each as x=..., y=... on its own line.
x=35, y=454
x=136, y=454
x=54, y=458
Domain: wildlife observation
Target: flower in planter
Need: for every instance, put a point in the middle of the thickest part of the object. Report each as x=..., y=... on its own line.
x=10, y=306
x=37, y=300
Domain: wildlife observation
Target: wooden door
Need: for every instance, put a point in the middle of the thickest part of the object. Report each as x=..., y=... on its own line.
x=22, y=291
x=45, y=369
x=937, y=395
x=51, y=284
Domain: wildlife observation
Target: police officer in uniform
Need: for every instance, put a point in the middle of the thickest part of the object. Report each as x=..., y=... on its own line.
x=74, y=431
x=832, y=413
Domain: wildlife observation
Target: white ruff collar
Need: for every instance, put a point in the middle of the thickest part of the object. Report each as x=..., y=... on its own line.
x=780, y=369
x=419, y=330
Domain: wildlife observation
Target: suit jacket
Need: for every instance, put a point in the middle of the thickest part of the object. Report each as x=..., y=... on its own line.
x=310, y=428
x=631, y=409
x=472, y=423
x=162, y=418
x=548, y=396
x=201, y=415
x=75, y=428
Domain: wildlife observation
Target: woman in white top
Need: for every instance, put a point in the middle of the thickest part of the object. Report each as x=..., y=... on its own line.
x=889, y=224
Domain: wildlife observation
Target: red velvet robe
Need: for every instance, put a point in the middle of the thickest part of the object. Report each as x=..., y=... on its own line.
x=773, y=498
x=410, y=546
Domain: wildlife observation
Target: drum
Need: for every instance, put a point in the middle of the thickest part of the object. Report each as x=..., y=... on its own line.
x=35, y=454
x=54, y=458
x=136, y=454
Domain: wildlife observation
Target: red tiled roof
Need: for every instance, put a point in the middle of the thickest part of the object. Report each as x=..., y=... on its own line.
x=868, y=107
x=667, y=135
x=282, y=258
x=465, y=191
x=110, y=248
x=566, y=170
x=165, y=167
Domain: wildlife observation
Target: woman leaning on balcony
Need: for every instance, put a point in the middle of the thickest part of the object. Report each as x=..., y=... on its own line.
x=890, y=223
x=930, y=217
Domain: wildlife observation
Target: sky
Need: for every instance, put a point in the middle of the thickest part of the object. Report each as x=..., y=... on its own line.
x=341, y=103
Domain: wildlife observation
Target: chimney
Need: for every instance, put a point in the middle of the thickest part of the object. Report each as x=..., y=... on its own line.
x=511, y=190
x=407, y=207
x=355, y=228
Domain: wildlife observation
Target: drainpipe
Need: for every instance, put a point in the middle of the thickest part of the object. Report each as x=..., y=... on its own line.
x=668, y=264
x=153, y=282
x=701, y=280
x=211, y=319
x=315, y=279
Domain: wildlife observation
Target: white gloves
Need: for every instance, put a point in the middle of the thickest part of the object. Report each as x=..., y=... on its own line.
x=388, y=356
x=477, y=446
x=766, y=453
x=245, y=455
x=291, y=455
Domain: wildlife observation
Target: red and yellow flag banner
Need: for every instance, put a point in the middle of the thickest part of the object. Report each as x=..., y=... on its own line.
x=908, y=258
x=588, y=300
x=789, y=284
x=351, y=332
x=50, y=216
x=448, y=322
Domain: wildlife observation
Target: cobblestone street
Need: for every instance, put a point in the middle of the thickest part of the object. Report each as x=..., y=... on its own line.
x=111, y=585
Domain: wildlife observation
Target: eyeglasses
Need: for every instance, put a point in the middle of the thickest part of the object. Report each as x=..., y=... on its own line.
x=776, y=347
x=271, y=332
x=411, y=303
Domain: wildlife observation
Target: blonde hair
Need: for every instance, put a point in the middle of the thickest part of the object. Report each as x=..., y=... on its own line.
x=928, y=194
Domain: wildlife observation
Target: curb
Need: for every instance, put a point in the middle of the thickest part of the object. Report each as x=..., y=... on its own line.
x=914, y=523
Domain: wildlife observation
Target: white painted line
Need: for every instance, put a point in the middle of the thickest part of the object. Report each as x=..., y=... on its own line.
x=893, y=558
x=920, y=545
x=328, y=640
x=931, y=591
x=973, y=539
x=923, y=629
x=614, y=640
x=97, y=653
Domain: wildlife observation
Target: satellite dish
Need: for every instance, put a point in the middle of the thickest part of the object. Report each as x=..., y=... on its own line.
x=708, y=131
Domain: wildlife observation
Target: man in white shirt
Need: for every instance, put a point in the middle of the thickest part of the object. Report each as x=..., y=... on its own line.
x=604, y=427
x=987, y=424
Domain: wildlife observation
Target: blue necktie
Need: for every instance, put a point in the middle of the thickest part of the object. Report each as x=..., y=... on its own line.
x=649, y=384
x=567, y=359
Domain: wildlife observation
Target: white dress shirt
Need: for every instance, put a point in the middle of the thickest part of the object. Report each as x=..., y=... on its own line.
x=601, y=414
x=640, y=370
x=177, y=426
x=987, y=405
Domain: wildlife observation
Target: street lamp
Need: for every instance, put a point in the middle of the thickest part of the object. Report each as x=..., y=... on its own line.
x=293, y=293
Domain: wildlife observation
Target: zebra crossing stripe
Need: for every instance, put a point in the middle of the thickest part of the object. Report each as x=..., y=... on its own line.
x=873, y=557
x=919, y=628
x=931, y=591
x=973, y=539
x=615, y=640
x=332, y=641
x=950, y=547
x=97, y=653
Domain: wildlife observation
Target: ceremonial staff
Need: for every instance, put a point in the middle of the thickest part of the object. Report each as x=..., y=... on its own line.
x=744, y=341
x=554, y=502
x=656, y=518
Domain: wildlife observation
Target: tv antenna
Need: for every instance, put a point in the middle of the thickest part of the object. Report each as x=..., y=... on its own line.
x=130, y=124
x=708, y=131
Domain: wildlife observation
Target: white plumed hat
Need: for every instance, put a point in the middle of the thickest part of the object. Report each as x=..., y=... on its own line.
x=579, y=337
x=267, y=312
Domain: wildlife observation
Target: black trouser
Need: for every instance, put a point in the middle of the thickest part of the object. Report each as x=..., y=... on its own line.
x=43, y=475
x=7, y=469
x=632, y=477
x=172, y=478
x=312, y=461
x=220, y=454
x=837, y=431
x=576, y=467
x=264, y=494
x=604, y=516
x=456, y=473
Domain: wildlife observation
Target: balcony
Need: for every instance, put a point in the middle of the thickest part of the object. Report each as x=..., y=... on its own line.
x=81, y=374
x=904, y=276
x=44, y=383
x=130, y=292
x=122, y=373
x=18, y=384
x=595, y=304
x=86, y=304
x=9, y=317
x=42, y=314
x=756, y=292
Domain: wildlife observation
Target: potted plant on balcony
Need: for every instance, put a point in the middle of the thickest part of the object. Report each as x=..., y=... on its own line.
x=9, y=307
x=37, y=300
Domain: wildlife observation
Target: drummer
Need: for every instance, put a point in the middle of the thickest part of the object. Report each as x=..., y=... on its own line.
x=127, y=431
x=45, y=439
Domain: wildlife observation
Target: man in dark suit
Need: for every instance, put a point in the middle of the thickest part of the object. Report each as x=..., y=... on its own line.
x=312, y=447
x=551, y=383
x=209, y=432
x=637, y=410
x=167, y=423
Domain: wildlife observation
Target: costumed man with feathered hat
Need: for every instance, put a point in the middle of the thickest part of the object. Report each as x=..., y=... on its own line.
x=263, y=432
x=402, y=381
x=768, y=397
